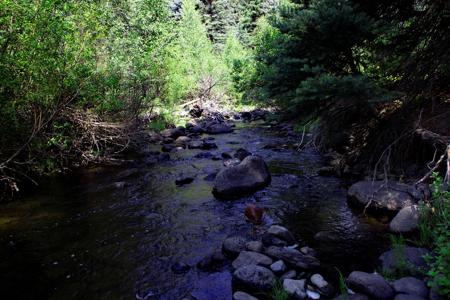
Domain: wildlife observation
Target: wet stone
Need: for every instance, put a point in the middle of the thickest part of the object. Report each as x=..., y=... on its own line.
x=254, y=246
x=278, y=267
x=295, y=288
x=246, y=258
x=232, y=246
x=243, y=296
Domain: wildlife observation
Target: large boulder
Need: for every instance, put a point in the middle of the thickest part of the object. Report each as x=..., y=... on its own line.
x=244, y=179
x=406, y=220
x=383, y=196
x=217, y=128
x=372, y=285
x=411, y=286
x=293, y=257
x=410, y=259
x=254, y=278
x=246, y=258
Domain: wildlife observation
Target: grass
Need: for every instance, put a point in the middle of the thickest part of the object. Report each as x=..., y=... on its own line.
x=278, y=293
x=342, y=286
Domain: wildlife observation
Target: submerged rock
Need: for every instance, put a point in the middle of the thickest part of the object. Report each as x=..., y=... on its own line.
x=241, y=153
x=182, y=180
x=406, y=220
x=382, y=196
x=254, y=278
x=246, y=178
x=212, y=261
x=372, y=285
x=173, y=133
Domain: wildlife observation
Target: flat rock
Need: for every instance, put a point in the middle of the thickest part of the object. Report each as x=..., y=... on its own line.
x=293, y=257
x=411, y=286
x=254, y=278
x=244, y=179
x=382, y=196
x=412, y=256
x=243, y=296
x=246, y=258
x=373, y=285
x=295, y=288
x=232, y=246
x=406, y=220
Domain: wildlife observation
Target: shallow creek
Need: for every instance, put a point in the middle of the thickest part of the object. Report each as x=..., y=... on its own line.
x=83, y=237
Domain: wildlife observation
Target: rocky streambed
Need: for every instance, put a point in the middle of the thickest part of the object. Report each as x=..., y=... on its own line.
x=153, y=229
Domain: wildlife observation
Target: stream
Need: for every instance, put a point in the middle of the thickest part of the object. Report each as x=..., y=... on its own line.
x=81, y=236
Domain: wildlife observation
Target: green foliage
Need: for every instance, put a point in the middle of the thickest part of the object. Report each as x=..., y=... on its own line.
x=435, y=232
x=342, y=286
x=278, y=292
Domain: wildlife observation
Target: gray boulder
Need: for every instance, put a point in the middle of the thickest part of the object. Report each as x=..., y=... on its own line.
x=382, y=196
x=411, y=286
x=243, y=296
x=293, y=257
x=254, y=278
x=406, y=220
x=244, y=179
x=218, y=128
x=408, y=259
x=232, y=246
x=246, y=258
x=372, y=285
x=295, y=288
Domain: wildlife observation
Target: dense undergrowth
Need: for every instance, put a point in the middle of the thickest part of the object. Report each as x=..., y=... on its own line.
x=371, y=76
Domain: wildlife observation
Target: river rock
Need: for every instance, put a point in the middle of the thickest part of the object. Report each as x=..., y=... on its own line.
x=312, y=295
x=226, y=155
x=408, y=297
x=295, y=288
x=291, y=274
x=231, y=162
x=388, y=197
x=282, y=233
x=218, y=128
x=372, y=285
x=352, y=297
x=255, y=246
x=278, y=267
x=411, y=286
x=254, y=278
x=249, y=176
x=321, y=285
x=167, y=148
x=271, y=240
x=173, y=133
x=246, y=258
x=308, y=251
x=208, y=145
x=243, y=296
x=293, y=257
x=182, y=141
x=232, y=246
x=412, y=256
x=406, y=220
x=195, y=145
x=241, y=153
x=204, y=155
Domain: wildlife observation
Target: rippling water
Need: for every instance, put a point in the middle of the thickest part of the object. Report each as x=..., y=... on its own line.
x=82, y=237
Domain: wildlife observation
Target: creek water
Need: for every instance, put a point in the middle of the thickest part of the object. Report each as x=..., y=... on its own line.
x=84, y=237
